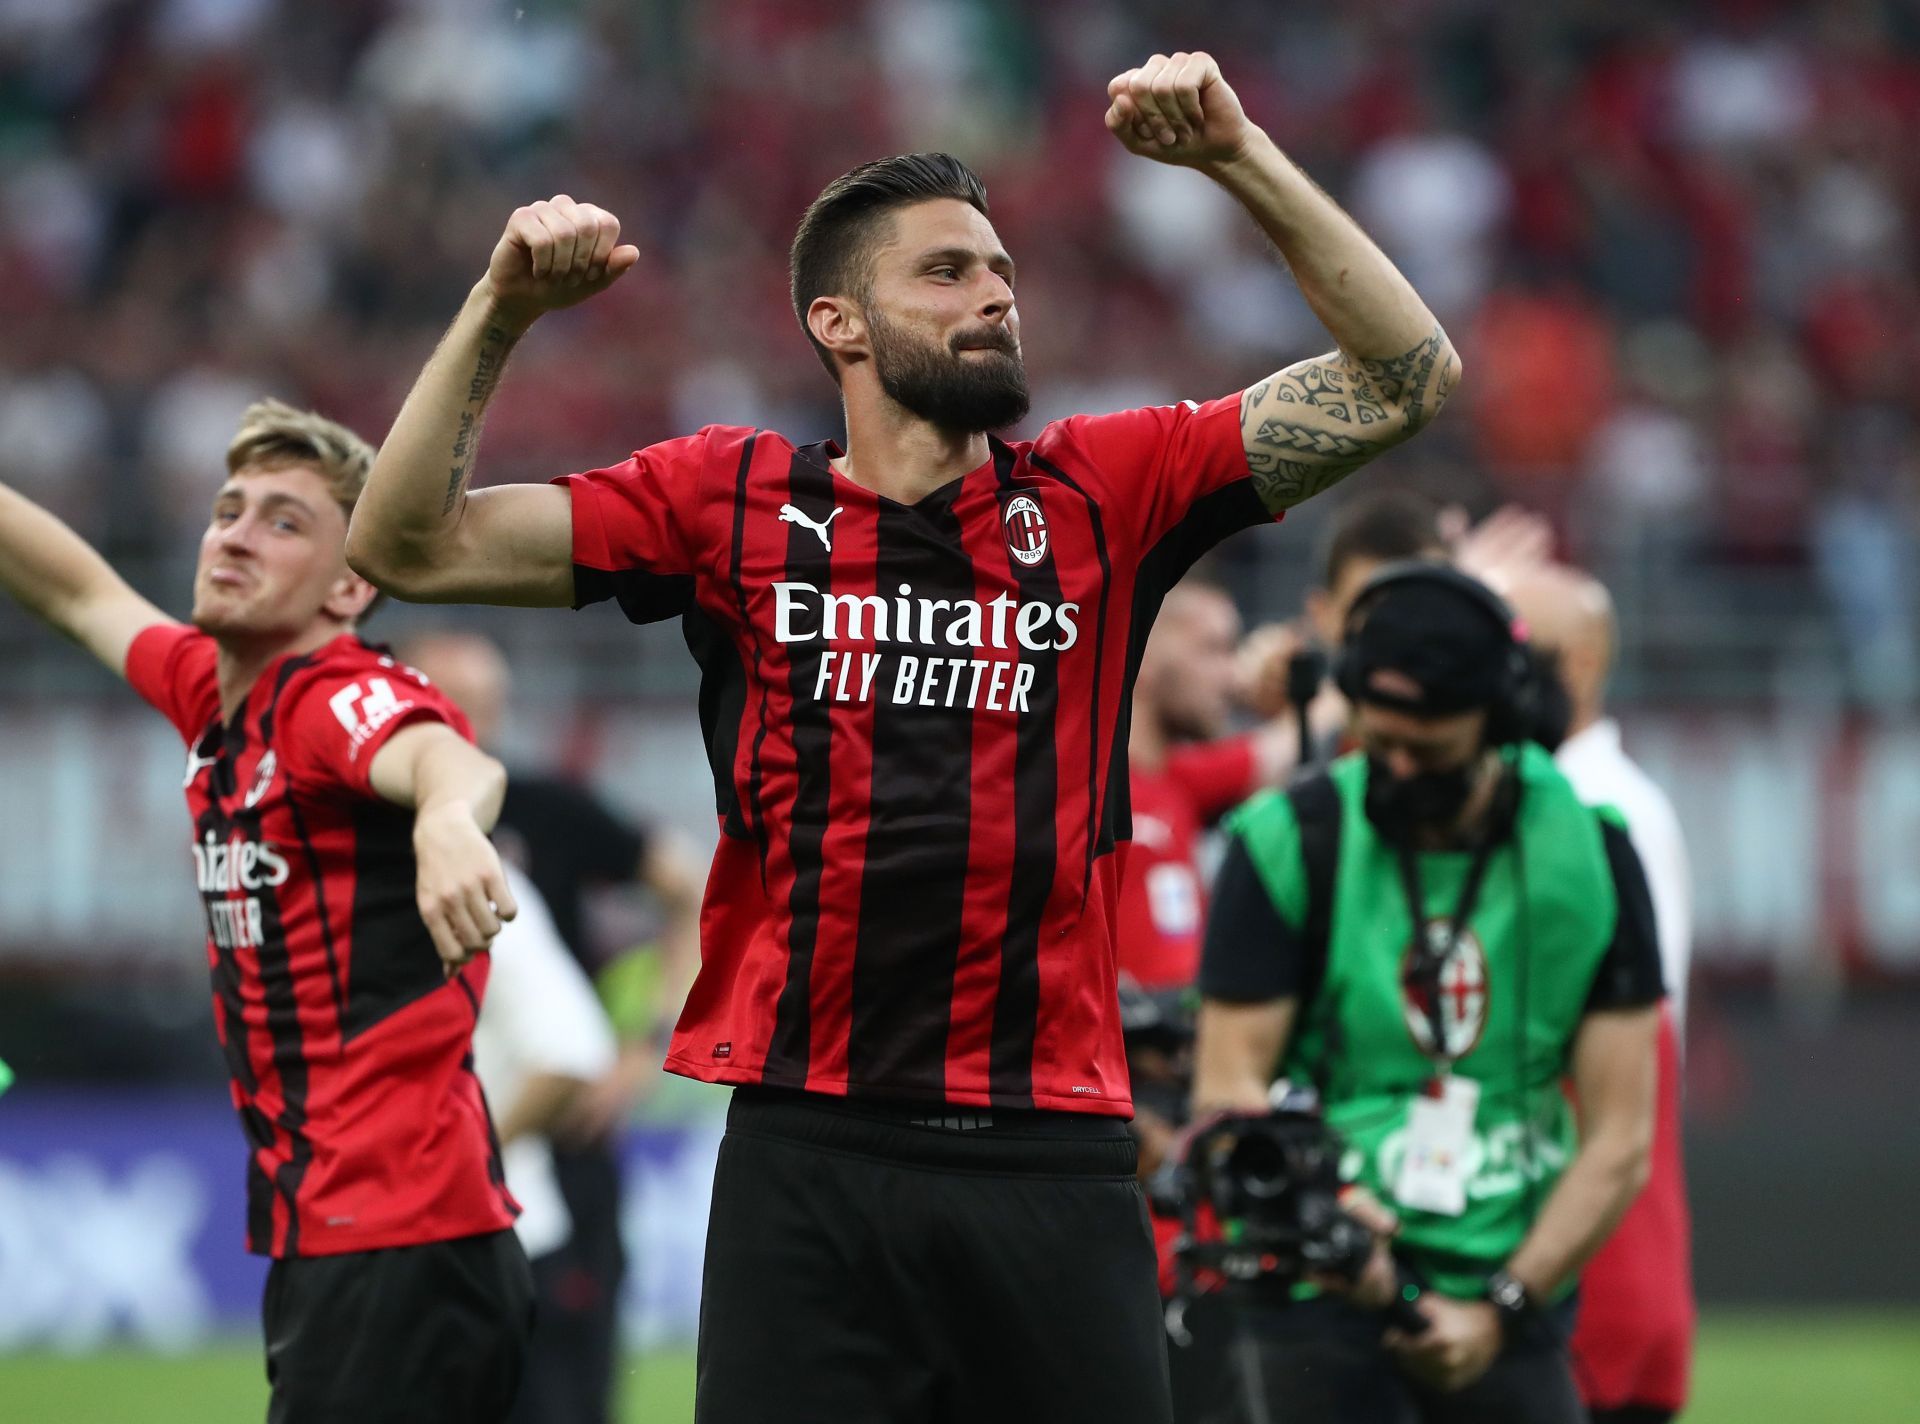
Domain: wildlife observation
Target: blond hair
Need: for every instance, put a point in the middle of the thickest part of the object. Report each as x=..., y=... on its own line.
x=273, y=434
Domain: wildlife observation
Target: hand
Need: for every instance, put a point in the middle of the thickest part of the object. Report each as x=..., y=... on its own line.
x=1501, y=549
x=554, y=254
x=460, y=889
x=1178, y=110
x=610, y=1099
x=1260, y=667
x=1379, y=1282
x=1460, y=1343
x=1159, y=1141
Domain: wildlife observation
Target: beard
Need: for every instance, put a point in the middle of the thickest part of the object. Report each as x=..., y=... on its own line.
x=945, y=388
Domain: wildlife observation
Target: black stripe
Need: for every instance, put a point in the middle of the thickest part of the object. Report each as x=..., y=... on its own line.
x=723, y=700
x=394, y=960
x=1094, y=802
x=644, y=597
x=809, y=487
x=756, y=813
x=283, y=1004
x=320, y=904
x=914, y=878
x=1036, y=799
x=1207, y=521
x=259, y=1186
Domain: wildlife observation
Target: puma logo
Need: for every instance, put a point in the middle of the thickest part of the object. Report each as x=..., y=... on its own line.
x=790, y=515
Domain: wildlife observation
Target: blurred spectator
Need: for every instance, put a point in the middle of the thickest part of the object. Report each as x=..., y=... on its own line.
x=201, y=199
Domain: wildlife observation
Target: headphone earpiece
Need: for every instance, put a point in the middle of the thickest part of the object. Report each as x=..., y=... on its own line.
x=1516, y=703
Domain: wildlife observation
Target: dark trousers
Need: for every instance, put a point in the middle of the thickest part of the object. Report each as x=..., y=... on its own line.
x=862, y=1269
x=569, y=1375
x=429, y=1334
x=1321, y=1362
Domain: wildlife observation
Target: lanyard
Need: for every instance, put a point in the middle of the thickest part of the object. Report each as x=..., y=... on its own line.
x=1428, y=959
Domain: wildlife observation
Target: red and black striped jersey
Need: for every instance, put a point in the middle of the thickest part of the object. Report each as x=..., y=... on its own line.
x=348, y=1048
x=917, y=721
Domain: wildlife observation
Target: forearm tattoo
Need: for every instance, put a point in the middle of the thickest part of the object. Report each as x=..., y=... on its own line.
x=1310, y=426
x=487, y=369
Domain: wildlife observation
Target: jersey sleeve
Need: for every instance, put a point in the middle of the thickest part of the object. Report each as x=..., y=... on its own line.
x=1255, y=947
x=171, y=665
x=636, y=529
x=1170, y=468
x=333, y=724
x=1629, y=972
x=1217, y=775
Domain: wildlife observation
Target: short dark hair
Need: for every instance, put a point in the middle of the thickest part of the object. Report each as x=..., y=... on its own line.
x=1383, y=526
x=833, y=247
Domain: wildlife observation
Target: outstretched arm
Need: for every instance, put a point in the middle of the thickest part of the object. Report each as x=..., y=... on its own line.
x=58, y=577
x=1312, y=424
x=454, y=789
x=417, y=533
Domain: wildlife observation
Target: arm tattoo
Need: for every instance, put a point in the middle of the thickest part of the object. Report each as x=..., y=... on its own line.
x=487, y=371
x=1310, y=426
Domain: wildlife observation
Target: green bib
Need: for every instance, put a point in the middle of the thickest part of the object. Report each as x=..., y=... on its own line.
x=1512, y=994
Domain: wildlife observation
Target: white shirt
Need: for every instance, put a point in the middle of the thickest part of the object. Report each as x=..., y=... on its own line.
x=1604, y=775
x=540, y=1016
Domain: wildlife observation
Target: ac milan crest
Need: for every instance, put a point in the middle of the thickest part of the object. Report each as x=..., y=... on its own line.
x=1463, y=996
x=1026, y=528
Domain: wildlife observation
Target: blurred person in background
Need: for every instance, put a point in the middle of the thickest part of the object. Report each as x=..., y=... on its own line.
x=569, y=842
x=1184, y=771
x=340, y=815
x=907, y=943
x=1286, y=665
x=541, y=1043
x=1633, y=1344
x=1281, y=661
x=1433, y=933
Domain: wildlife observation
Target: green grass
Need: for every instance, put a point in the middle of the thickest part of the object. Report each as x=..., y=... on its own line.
x=1859, y=1368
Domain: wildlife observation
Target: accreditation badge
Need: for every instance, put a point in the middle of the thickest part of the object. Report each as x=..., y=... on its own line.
x=1437, y=1155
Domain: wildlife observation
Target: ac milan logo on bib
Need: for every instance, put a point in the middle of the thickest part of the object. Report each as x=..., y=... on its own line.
x=1026, y=529
x=1463, y=996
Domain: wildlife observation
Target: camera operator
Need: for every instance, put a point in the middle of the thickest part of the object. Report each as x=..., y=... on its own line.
x=1435, y=933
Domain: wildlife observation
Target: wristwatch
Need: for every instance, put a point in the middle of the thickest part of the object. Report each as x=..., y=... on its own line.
x=1513, y=1301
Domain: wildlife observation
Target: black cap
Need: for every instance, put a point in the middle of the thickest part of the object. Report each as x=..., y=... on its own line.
x=1429, y=647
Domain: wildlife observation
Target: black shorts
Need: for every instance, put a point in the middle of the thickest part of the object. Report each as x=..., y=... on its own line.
x=430, y=1334
x=865, y=1268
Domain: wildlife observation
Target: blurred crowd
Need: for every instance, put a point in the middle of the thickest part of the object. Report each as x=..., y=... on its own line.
x=1675, y=244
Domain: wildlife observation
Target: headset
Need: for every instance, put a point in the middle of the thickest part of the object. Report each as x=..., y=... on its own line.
x=1512, y=714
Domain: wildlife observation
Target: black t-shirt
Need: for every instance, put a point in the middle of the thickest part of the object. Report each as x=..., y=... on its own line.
x=567, y=841
x=1251, y=954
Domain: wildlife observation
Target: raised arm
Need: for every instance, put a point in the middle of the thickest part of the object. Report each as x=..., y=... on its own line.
x=1312, y=424
x=59, y=578
x=417, y=533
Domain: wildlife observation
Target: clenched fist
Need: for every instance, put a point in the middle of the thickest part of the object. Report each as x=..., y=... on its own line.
x=556, y=253
x=459, y=887
x=1178, y=109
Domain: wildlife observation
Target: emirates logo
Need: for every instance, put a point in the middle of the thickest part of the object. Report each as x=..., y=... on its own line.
x=1026, y=527
x=1463, y=997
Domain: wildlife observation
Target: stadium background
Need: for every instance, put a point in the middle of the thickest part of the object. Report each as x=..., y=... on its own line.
x=1676, y=244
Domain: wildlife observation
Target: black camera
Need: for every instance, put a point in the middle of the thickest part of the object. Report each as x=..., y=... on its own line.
x=1258, y=1198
